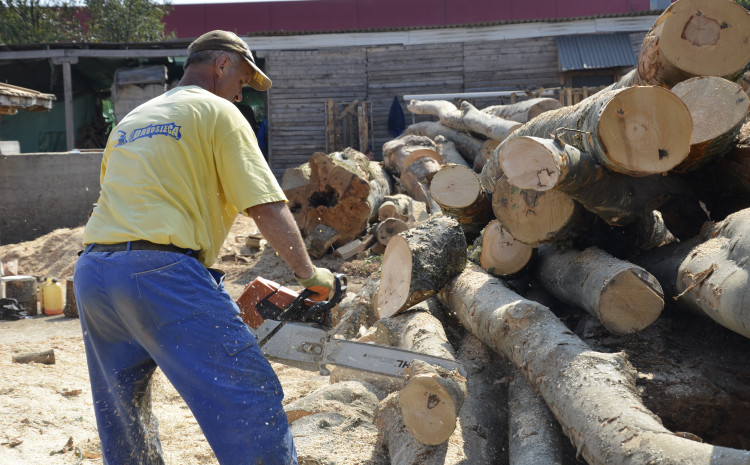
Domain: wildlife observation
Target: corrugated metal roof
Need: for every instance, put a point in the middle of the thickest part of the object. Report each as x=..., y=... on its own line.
x=14, y=97
x=595, y=51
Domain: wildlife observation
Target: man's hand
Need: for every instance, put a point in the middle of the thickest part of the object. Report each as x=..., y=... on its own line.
x=321, y=283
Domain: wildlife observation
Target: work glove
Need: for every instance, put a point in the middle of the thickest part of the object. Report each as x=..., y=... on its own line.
x=321, y=283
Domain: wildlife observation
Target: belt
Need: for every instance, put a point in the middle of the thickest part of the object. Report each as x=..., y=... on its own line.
x=139, y=245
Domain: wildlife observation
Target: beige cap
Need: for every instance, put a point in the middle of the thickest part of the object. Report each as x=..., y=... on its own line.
x=230, y=42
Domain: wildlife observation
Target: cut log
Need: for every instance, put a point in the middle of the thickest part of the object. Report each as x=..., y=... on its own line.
x=467, y=118
x=592, y=394
x=525, y=110
x=341, y=195
x=636, y=131
x=397, y=151
x=488, y=148
x=388, y=228
x=534, y=217
x=402, y=207
x=320, y=240
x=624, y=297
x=417, y=263
x=499, y=253
x=71, y=309
x=417, y=176
x=448, y=152
x=468, y=146
x=709, y=274
x=458, y=192
x=718, y=108
x=24, y=290
x=46, y=357
x=696, y=38
x=534, y=434
x=549, y=164
x=350, y=398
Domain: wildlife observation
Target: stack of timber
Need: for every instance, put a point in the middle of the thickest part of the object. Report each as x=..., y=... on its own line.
x=594, y=256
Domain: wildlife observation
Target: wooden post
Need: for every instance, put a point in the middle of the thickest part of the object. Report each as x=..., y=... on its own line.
x=68, y=91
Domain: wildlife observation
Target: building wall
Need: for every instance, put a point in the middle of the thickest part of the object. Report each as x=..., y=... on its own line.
x=47, y=191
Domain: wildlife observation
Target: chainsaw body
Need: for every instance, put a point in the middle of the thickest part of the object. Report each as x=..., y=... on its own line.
x=295, y=331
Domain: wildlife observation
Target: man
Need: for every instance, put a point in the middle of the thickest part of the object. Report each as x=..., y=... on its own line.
x=175, y=173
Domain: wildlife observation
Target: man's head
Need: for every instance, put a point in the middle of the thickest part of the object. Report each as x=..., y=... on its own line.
x=225, y=41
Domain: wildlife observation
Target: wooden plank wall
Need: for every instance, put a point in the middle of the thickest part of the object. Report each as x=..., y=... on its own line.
x=302, y=82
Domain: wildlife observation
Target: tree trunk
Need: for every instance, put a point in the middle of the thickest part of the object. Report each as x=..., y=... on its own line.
x=458, y=192
x=709, y=274
x=499, y=253
x=593, y=395
x=466, y=119
x=417, y=263
x=488, y=148
x=342, y=194
x=718, y=108
x=695, y=38
x=549, y=164
x=417, y=176
x=624, y=297
x=46, y=357
x=468, y=146
x=523, y=111
x=636, y=131
x=534, y=435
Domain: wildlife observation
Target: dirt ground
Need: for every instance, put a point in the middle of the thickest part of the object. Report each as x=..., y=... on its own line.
x=46, y=410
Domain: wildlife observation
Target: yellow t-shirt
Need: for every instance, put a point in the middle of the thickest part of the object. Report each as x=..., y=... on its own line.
x=177, y=170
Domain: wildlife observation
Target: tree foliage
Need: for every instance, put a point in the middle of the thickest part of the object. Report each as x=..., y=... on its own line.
x=45, y=21
x=745, y=3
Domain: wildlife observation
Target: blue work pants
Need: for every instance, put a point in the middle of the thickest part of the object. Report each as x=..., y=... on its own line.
x=140, y=309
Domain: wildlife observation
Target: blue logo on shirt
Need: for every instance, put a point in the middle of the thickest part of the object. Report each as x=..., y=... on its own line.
x=169, y=129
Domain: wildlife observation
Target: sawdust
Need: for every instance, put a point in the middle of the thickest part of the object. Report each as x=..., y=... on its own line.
x=46, y=410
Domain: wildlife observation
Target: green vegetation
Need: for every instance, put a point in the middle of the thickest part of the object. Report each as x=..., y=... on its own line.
x=47, y=21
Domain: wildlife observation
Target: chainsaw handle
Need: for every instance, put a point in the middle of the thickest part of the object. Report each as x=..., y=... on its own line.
x=320, y=312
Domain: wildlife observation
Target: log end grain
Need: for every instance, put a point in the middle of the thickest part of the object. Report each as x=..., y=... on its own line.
x=707, y=38
x=643, y=139
x=529, y=164
x=455, y=186
x=630, y=302
x=501, y=253
x=397, y=265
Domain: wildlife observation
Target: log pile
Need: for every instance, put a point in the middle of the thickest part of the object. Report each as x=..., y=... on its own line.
x=558, y=242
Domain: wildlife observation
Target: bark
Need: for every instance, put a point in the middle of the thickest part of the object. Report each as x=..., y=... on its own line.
x=466, y=118
x=534, y=434
x=24, y=290
x=388, y=228
x=417, y=176
x=351, y=314
x=523, y=111
x=624, y=297
x=418, y=263
x=71, y=309
x=549, y=164
x=458, y=192
x=320, y=240
x=448, y=152
x=467, y=145
x=499, y=253
x=488, y=148
x=718, y=108
x=592, y=394
x=46, y=357
x=402, y=207
x=695, y=38
x=636, y=131
x=396, y=152
x=709, y=274
x=343, y=194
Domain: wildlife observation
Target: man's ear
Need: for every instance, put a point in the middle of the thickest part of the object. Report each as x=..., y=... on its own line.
x=221, y=64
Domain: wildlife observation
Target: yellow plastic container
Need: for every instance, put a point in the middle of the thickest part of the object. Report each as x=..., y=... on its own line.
x=52, y=298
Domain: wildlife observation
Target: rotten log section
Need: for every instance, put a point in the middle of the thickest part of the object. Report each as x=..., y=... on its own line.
x=592, y=394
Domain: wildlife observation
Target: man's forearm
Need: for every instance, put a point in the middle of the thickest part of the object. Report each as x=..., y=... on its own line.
x=276, y=223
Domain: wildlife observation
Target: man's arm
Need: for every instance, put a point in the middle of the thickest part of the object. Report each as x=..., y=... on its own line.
x=276, y=223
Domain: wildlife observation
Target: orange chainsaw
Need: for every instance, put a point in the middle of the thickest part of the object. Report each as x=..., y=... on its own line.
x=295, y=331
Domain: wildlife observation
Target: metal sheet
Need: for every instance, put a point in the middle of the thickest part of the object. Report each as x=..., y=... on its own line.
x=595, y=51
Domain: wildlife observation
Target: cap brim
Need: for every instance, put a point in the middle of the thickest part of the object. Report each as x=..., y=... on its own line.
x=260, y=81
